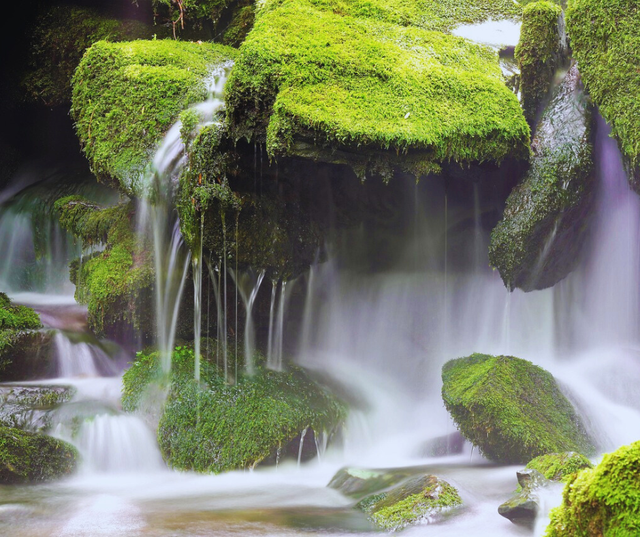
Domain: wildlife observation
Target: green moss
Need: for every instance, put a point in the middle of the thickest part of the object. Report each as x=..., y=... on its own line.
x=540, y=237
x=511, y=409
x=113, y=282
x=605, y=38
x=559, y=466
x=313, y=73
x=16, y=326
x=604, y=500
x=58, y=41
x=537, y=53
x=416, y=500
x=17, y=317
x=30, y=458
x=127, y=95
x=242, y=19
x=216, y=427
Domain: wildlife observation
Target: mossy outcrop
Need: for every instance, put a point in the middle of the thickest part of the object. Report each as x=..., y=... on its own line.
x=113, y=282
x=346, y=83
x=215, y=426
x=32, y=458
x=559, y=466
x=512, y=410
x=541, y=235
x=417, y=500
x=127, y=95
x=604, y=500
x=58, y=41
x=538, y=53
x=605, y=39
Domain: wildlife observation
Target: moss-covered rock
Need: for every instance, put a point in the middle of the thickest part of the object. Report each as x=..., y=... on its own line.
x=58, y=41
x=512, y=410
x=117, y=281
x=541, y=235
x=127, y=95
x=31, y=458
x=605, y=38
x=340, y=83
x=215, y=426
x=604, y=500
x=418, y=499
x=559, y=466
x=538, y=53
x=31, y=407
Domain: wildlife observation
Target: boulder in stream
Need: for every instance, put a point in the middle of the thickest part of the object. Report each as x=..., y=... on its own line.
x=604, y=500
x=541, y=235
x=523, y=508
x=32, y=458
x=511, y=409
x=417, y=500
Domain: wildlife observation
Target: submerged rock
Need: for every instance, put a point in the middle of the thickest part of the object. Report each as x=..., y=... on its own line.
x=215, y=427
x=31, y=407
x=538, y=53
x=127, y=95
x=523, y=508
x=374, y=88
x=31, y=458
x=604, y=41
x=450, y=444
x=604, y=500
x=540, y=237
x=359, y=482
x=418, y=500
x=511, y=409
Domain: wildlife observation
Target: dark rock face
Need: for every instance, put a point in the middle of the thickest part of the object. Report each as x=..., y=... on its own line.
x=540, y=238
x=510, y=408
x=523, y=508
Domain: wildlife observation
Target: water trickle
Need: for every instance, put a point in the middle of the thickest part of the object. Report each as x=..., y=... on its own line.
x=196, y=269
x=302, y=435
x=276, y=326
x=248, y=284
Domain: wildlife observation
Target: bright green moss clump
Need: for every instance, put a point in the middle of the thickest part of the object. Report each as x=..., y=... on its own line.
x=320, y=80
x=127, y=95
x=215, y=426
x=31, y=458
x=604, y=500
x=559, y=466
x=60, y=38
x=416, y=500
x=113, y=282
x=537, y=53
x=605, y=38
x=511, y=409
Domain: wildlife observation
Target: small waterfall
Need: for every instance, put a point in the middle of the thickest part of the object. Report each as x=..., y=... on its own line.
x=248, y=284
x=221, y=315
x=81, y=359
x=196, y=268
x=276, y=326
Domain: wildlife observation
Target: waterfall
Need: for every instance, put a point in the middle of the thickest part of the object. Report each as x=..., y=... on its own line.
x=80, y=359
x=248, y=284
x=276, y=326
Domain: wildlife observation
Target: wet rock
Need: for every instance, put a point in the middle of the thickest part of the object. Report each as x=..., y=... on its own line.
x=604, y=500
x=544, y=227
x=523, y=508
x=359, y=482
x=31, y=458
x=31, y=408
x=418, y=500
x=511, y=409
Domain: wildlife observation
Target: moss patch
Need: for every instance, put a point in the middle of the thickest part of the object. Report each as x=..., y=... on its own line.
x=540, y=237
x=537, y=53
x=329, y=76
x=216, y=427
x=127, y=95
x=605, y=38
x=511, y=409
x=417, y=500
x=604, y=500
x=114, y=282
x=31, y=458
x=58, y=41
x=559, y=466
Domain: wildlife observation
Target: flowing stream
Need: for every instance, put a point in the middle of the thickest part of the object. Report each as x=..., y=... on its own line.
x=383, y=336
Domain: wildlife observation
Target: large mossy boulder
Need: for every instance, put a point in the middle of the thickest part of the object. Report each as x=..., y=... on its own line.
x=419, y=499
x=511, y=409
x=215, y=426
x=541, y=235
x=604, y=500
x=32, y=458
x=117, y=282
x=366, y=84
x=59, y=39
x=605, y=39
x=127, y=95
x=538, y=53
